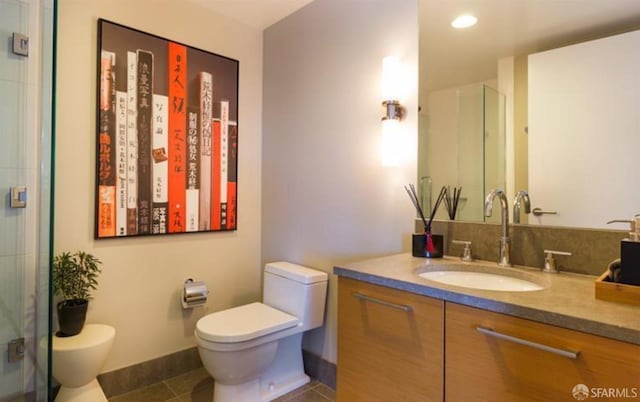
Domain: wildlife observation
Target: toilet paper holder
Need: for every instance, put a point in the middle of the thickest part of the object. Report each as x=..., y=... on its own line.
x=194, y=293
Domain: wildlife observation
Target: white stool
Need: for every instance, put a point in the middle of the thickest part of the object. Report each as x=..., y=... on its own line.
x=77, y=360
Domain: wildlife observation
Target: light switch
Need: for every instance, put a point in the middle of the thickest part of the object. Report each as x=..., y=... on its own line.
x=18, y=197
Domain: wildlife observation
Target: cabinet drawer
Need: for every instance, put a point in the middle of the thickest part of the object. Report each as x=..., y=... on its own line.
x=494, y=357
x=389, y=344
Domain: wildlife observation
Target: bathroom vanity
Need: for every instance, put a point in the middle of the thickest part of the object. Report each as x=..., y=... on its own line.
x=390, y=344
x=405, y=338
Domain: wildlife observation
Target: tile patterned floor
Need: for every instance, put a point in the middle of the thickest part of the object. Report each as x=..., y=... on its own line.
x=197, y=386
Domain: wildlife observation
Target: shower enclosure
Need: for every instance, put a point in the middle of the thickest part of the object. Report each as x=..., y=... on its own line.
x=26, y=140
x=462, y=144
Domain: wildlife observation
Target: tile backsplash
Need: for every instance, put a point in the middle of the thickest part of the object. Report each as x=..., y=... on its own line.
x=592, y=249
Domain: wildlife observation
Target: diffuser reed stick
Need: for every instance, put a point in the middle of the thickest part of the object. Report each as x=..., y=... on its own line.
x=441, y=196
x=416, y=203
x=411, y=191
x=451, y=202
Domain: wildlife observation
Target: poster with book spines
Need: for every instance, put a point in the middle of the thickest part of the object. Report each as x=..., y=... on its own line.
x=166, y=136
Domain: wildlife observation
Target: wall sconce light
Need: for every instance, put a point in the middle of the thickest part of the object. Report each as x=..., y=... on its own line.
x=393, y=110
x=392, y=142
x=392, y=88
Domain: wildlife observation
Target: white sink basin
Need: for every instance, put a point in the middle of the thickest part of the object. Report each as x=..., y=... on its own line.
x=481, y=280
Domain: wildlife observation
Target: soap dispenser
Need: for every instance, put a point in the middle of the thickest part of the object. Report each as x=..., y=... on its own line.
x=630, y=253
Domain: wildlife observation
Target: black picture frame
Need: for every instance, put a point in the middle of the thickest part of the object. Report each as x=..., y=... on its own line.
x=166, y=136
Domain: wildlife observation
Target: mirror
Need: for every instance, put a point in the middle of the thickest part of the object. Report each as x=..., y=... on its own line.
x=532, y=130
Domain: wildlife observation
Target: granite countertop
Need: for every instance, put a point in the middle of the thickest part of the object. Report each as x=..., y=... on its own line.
x=568, y=300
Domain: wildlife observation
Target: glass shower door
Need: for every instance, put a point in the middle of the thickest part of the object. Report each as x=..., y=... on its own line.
x=26, y=37
x=481, y=155
x=14, y=75
x=469, y=133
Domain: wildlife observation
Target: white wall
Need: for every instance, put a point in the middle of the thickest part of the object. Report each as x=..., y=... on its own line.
x=326, y=197
x=583, y=132
x=141, y=279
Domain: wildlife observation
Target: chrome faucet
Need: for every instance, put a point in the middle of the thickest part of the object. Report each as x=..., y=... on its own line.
x=521, y=197
x=503, y=260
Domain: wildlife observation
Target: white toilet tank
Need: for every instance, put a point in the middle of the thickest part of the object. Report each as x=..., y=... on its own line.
x=297, y=290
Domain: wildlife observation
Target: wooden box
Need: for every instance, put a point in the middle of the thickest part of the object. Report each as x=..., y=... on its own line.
x=616, y=292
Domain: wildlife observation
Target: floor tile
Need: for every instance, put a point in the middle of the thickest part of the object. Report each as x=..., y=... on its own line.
x=297, y=391
x=200, y=394
x=325, y=391
x=197, y=386
x=153, y=393
x=309, y=396
x=189, y=381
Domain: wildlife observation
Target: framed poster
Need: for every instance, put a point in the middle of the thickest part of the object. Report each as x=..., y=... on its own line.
x=167, y=136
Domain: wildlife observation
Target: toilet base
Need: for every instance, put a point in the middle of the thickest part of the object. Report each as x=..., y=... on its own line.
x=248, y=391
x=251, y=391
x=91, y=392
x=286, y=373
x=274, y=391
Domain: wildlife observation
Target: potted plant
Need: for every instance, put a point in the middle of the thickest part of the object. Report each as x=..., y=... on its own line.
x=74, y=276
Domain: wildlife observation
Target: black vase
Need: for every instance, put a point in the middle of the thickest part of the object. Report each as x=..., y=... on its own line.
x=427, y=245
x=71, y=316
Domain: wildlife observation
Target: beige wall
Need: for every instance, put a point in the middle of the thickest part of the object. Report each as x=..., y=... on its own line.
x=327, y=199
x=141, y=279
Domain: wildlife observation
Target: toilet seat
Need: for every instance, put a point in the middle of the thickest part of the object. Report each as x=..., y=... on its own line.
x=243, y=323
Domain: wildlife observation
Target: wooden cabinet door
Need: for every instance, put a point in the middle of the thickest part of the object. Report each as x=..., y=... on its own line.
x=390, y=345
x=495, y=357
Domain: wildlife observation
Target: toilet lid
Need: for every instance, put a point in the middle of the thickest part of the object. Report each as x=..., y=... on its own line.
x=243, y=323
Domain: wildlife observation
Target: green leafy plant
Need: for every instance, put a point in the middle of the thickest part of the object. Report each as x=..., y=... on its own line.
x=75, y=275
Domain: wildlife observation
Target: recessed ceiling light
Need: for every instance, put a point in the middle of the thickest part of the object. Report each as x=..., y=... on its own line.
x=464, y=21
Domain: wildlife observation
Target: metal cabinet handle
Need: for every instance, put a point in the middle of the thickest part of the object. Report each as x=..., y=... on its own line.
x=562, y=352
x=539, y=211
x=383, y=302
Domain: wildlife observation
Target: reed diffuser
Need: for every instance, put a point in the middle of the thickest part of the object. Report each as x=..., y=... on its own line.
x=451, y=201
x=426, y=244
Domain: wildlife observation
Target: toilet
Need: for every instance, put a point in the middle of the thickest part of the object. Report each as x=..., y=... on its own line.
x=77, y=360
x=254, y=351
